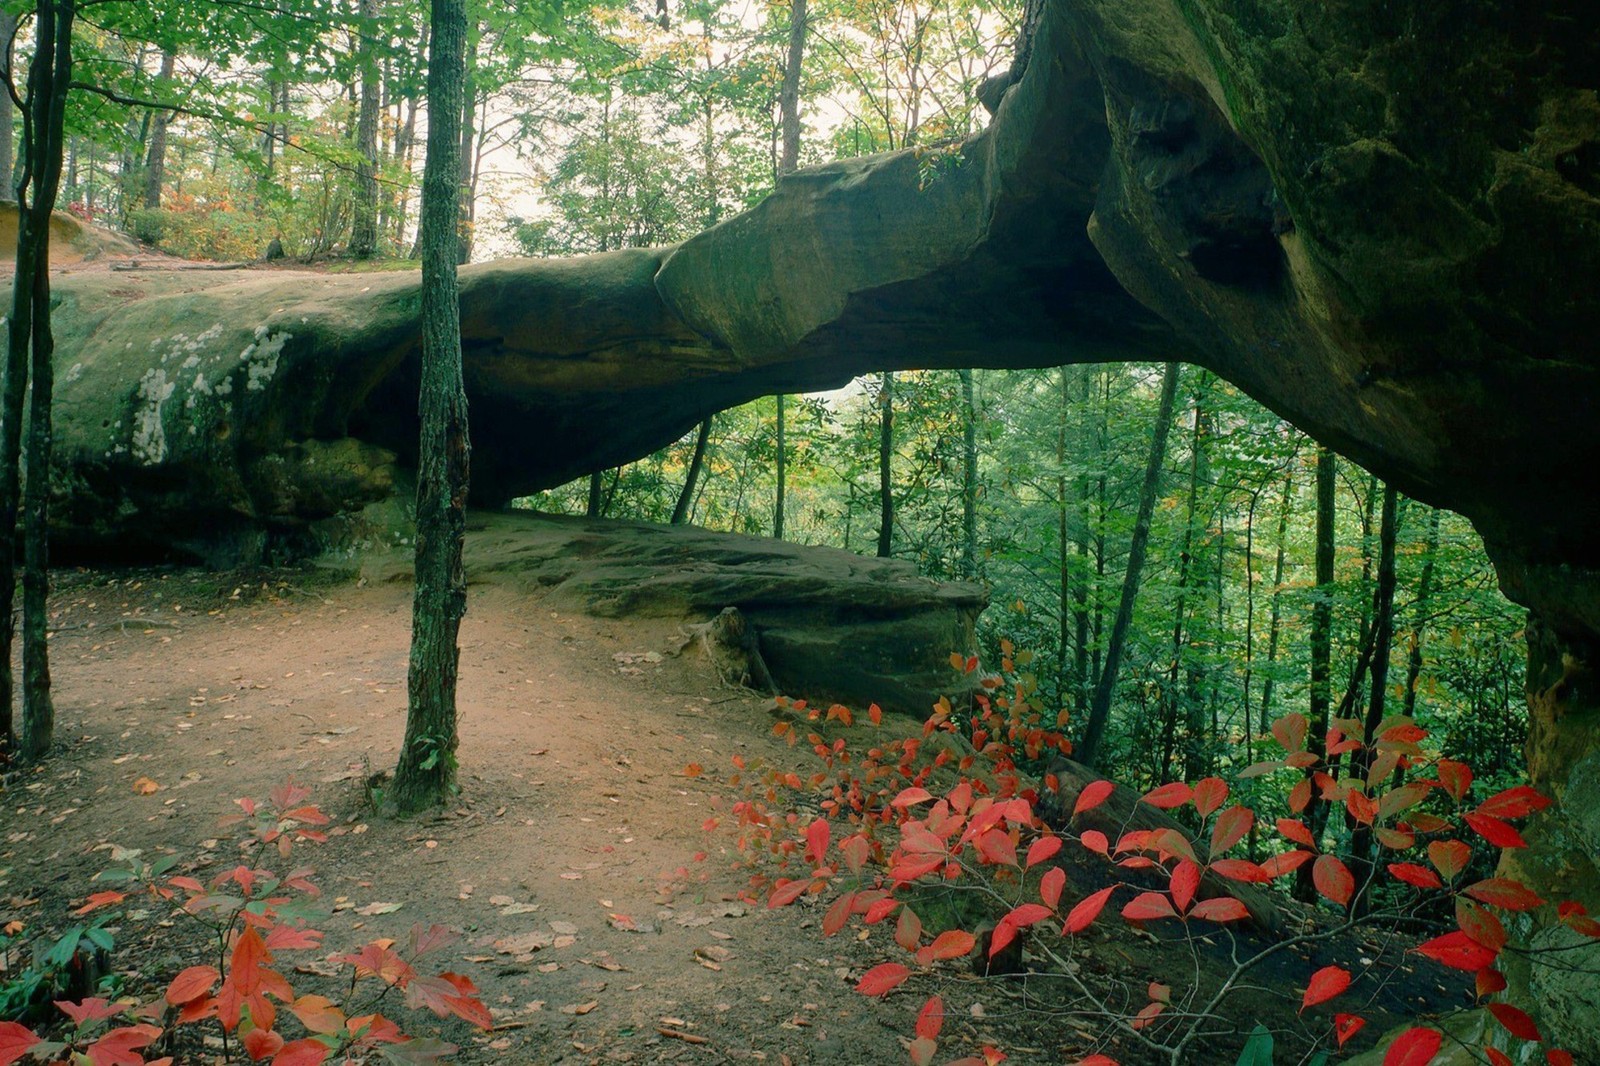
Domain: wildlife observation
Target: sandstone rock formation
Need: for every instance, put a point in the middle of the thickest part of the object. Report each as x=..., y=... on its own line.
x=1381, y=219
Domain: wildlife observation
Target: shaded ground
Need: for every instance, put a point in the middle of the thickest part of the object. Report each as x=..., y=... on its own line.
x=573, y=831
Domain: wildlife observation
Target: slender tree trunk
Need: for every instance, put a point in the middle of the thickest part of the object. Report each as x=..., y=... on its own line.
x=426, y=772
x=969, y=478
x=680, y=511
x=596, y=495
x=44, y=120
x=789, y=111
x=1064, y=592
x=1100, y=709
x=8, y=31
x=886, y=465
x=1275, y=619
x=1424, y=596
x=1080, y=599
x=155, y=165
x=782, y=473
x=1175, y=697
x=1321, y=649
x=1383, y=646
x=466, y=175
x=364, y=215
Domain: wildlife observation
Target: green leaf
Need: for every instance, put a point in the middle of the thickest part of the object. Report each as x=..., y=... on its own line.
x=1258, y=1049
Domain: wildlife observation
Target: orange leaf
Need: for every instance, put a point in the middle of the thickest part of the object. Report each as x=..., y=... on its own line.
x=1232, y=826
x=1095, y=841
x=100, y=899
x=1220, y=909
x=259, y=1043
x=191, y=984
x=1276, y=866
x=950, y=944
x=786, y=892
x=883, y=979
x=1456, y=777
x=838, y=914
x=922, y=1050
x=1240, y=870
x=1504, y=893
x=817, y=836
x=120, y=1047
x=1326, y=983
x=908, y=929
x=1290, y=731
x=911, y=797
x=144, y=786
x=694, y=769
x=304, y=1052
x=1449, y=857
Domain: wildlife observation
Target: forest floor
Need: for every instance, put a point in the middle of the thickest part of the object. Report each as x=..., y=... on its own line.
x=567, y=860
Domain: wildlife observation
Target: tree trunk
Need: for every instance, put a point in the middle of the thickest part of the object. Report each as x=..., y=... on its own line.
x=155, y=165
x=1100, y=709
x=1383, y=645
x=886, y=465
x=1321, y=649
x=969, y=478
x=1275, y=620
x=426, y=772
x=781, y=472
x=49, y=76
x=364, y=213
x=8, y=31
x=466, y=176
x=680, y=511
x=596, y=503
x=1080, y=600
x=1424, y=596
x=1064, y=592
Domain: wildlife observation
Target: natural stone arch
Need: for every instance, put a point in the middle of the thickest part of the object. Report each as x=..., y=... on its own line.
x=1383, y=221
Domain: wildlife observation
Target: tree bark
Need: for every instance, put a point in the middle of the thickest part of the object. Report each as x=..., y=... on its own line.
x=788, y=161
x=1424, y=597
x=426, y=772
x=782, y=473
x=886, y=465
x=1383, y=645
x=1275, y=619
x=597, y=485
x=8, y=32
x=466, y=176
x=155, y=164
x=364, y=216
x=49, y=77
x=1100, y=709
x=680, y=511
x=969, y=478
x=1316, y=812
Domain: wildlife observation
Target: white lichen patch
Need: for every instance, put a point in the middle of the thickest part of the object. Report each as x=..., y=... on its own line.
x=149, y=437
x=74, y=372
x=261, y=358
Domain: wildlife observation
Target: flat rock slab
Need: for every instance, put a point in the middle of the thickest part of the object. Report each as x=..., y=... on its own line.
x=833, y=626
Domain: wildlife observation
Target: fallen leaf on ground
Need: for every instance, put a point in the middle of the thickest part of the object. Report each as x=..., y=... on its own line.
x=580, y=1008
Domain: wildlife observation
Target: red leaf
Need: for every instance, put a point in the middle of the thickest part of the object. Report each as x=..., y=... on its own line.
x=1333, y=879
x=120, y=1047
x=1240, y=870
x=191, y=984
x=1326, y=983
x=1504, y=893
x=1458, y=951
x=1449, y=857
x=818, y=834
x=1294, y=830
x=1277, y=865
x=1209, y=794
x=1050, y=886
x=1148, y=905
x=1087, y=910
x=856, y=850
x=1557, y=1057
x=1489, y=982
x=259, y=1043
x=1455, y=777
x=1415, y=1047
x=950, y=944
x=908, y=929
x=838, y=914
x=1480, y=924
x=1518, y=802
x=1347, y=1025
x=1300, y=796
x=1232, y=826
x=306, y=1052
x=996, y=847
x=1093, y=794
x=1042, y=849
x=907, y=868
x=1093, y=1060
x=1168, y=796
x=1095, y=841
x=881, y=980
x=1500, y=834
x=786, y=892
x=1517, y=1022
x=100, y=899
x=931, y=1018
x=1220, y=909
x=911, y=797
x=1185, y=881
x=1412, y=874
x=1290, y=731
x=15, y=1042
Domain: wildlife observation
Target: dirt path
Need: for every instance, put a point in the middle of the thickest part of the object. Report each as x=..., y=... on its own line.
x=575, y=810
